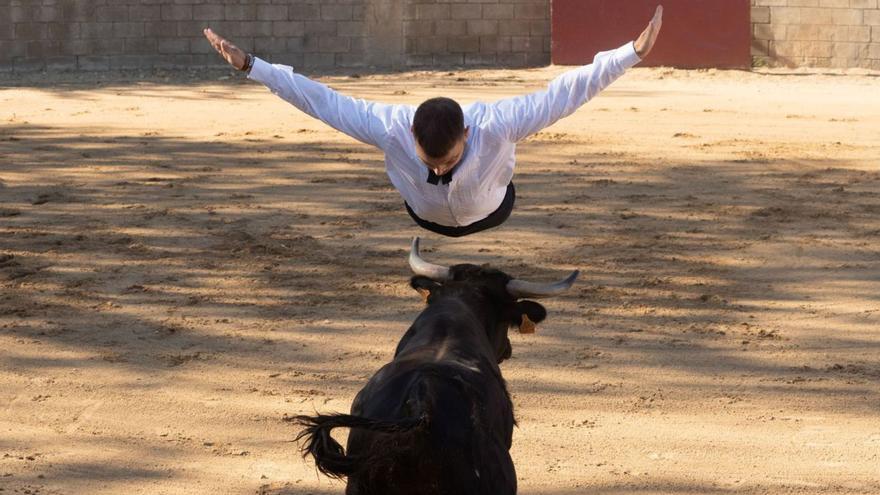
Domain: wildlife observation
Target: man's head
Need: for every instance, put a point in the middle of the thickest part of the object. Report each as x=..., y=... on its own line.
x=438, y=127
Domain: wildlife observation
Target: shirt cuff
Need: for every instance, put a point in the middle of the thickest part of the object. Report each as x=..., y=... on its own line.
x=260, y=71
x=627, y=55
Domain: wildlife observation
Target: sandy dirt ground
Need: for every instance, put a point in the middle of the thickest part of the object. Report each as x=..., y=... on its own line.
x=186, y=263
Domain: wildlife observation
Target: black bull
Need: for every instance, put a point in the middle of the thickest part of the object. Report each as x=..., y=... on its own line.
x=438, y=418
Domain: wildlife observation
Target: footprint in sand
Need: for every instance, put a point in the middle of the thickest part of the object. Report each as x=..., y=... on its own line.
x=43, y=198
x=84, y=416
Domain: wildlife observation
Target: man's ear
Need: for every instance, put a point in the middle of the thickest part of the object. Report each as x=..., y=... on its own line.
x=531, y=313
x=423, y=285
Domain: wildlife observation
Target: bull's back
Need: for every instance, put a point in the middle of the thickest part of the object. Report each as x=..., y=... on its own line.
x=463, y=446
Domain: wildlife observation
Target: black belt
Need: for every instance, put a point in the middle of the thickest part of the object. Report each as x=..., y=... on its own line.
x=494, y=219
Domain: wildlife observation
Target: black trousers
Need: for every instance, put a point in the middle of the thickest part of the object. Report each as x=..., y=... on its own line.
x=494, y=219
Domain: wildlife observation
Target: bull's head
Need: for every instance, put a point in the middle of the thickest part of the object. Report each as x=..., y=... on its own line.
x=502, y=297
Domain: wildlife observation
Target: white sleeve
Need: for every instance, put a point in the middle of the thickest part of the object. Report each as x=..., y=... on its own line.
x=363, y=120
x=517, y=118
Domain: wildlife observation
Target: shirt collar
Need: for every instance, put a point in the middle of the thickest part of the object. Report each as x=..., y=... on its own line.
x=445, y=178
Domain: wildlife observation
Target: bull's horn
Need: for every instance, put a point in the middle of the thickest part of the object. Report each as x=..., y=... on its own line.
x=421, y=267
x=523, y=289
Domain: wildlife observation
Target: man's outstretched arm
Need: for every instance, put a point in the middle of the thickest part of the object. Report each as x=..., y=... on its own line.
x=519, y=117
x=363, y=120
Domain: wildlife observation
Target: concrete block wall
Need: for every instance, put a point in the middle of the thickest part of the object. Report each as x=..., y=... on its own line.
x=134, y=34
x=309, y=34
x=511, y=33
x=816, y=33
x=394, y=34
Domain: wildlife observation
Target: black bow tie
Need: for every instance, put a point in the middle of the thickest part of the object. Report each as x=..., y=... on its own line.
x=435, y=179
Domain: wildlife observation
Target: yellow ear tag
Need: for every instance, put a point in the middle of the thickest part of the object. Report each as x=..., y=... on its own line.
x=527, y=325
x=424, y=293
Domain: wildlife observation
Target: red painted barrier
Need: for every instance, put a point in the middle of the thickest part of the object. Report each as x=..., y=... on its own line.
x=696, y=33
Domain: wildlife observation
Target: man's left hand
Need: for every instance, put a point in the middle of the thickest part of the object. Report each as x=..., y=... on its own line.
x=645, y=42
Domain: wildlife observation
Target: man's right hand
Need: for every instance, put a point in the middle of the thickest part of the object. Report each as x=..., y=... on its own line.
x=231, y=53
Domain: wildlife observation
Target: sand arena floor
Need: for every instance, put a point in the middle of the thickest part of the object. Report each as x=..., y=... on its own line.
x=184, y=263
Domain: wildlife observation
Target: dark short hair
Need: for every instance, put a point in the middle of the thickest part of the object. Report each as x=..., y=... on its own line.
x=437, y=125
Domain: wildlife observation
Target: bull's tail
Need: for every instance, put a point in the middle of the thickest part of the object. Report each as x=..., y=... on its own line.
x=330, y=457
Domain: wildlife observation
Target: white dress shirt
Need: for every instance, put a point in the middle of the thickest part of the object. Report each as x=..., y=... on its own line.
x=480, y=179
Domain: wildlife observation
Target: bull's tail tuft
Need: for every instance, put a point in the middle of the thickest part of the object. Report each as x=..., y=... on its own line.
x=330, y=457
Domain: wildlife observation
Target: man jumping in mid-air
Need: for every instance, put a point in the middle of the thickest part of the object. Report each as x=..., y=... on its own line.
x=452, y=165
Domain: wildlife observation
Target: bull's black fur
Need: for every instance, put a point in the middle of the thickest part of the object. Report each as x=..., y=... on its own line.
x=438, y=418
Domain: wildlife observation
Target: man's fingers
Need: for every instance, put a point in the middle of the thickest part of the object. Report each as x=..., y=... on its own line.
x=212, y=36
x=219, y=44
x=214, y=44
x=231, y=53
x=656, y=22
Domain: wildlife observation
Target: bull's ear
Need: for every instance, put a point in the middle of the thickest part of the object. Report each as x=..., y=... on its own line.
x=423, y=285
x=530, y=314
